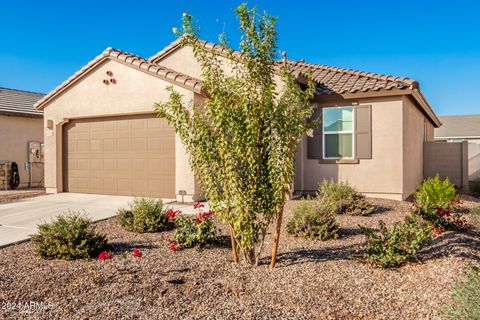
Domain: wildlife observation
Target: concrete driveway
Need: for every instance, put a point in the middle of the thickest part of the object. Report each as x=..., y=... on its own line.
x=18, y=220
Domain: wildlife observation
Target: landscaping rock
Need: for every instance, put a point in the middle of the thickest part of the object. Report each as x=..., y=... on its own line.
x=313, y=279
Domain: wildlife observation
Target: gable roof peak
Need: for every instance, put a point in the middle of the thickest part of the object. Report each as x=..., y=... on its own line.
x=133, y=61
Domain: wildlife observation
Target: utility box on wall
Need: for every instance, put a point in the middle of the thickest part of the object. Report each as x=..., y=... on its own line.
x=35, y=152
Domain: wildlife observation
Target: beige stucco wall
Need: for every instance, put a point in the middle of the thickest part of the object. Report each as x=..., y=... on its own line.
x=416, y=130
x=397, y=143
x=134, y=92
x=183, y=61
x=380, y=176
x=15, y=133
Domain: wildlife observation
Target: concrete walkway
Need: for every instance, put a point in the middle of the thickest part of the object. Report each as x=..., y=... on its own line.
x=18, y=220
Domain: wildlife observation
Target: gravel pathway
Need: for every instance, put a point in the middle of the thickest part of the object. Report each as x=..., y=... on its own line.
x=313, y=280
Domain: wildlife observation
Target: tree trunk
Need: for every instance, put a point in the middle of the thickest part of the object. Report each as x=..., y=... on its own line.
x=234, y=245
x=273, y=262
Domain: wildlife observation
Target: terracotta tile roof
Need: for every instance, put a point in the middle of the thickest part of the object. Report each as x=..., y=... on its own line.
x=338, y=80
x=332, y=79
x=19, y=103
x=130, y=60
x=329, y=79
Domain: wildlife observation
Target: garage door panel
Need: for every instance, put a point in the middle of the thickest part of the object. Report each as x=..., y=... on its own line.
x=82, y=145
x=120, y=155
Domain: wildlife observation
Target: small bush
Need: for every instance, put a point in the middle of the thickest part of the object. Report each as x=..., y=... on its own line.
x=70, y=236
x=392, y=248
x=144, y=215
x=312, y=220
x=344, y=199
x=434, y=193
x=194, y=231
x=466, y=298
x=437, y=202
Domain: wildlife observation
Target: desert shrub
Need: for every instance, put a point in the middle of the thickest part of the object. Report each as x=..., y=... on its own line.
x=434, y=193
x=343, y=199
x=475, y=187
x=311, y=219
x=465, y=298
x=144, y=215
x=69, y=236
x=391, y=248
x=194, y=231
x=437, y=202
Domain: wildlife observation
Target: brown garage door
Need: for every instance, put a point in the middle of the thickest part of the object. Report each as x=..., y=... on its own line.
x=131, y=155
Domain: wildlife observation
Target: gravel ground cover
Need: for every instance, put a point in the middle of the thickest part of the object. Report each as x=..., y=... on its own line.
x=313, y=280
x=15, y=195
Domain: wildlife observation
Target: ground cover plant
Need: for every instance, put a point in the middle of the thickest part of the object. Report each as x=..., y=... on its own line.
x=343, y=198
x=193, y=231
x=145, y=215
x=312, y=220
x=392, y=248
x=69, y=236
x=465, y=304
x=315, y=278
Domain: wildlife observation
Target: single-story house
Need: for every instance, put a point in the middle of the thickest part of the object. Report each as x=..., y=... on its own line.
x=463, y=128
x=21, y=123
x=102, y=136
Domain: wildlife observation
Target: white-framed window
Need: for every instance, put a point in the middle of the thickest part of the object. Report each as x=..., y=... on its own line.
x=338, y=133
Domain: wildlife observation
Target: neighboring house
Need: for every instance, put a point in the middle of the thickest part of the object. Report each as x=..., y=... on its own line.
x=102, y=135
x=20, y=123
x=459, y=128
x=463, y=128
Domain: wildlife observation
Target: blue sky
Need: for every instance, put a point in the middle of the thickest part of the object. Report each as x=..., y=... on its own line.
x=435, y=42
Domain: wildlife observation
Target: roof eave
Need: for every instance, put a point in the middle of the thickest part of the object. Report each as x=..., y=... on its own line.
x=414, y=92
x=420, y=98
x=20, y=114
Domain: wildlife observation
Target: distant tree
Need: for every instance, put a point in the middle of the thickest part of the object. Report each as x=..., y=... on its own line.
x=242, y=141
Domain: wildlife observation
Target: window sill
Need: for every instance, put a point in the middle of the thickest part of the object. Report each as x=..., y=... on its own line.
x=339, y=161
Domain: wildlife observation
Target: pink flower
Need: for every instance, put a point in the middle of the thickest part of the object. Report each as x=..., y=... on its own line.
x=104, y=255
x=173, y=246
x=137, y=253
x=198, y=219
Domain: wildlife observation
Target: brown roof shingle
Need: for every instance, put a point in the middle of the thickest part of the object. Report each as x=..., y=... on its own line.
x=130, y=60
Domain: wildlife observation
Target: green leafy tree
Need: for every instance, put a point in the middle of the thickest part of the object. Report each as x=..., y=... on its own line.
x=241, y=142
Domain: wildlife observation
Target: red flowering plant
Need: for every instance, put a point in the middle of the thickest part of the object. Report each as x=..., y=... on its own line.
x=390, y=248
x=194, y=231
x=104, y=255
x=137, y=253
x=438, y=203
x=171, y=214
x=173, y=246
